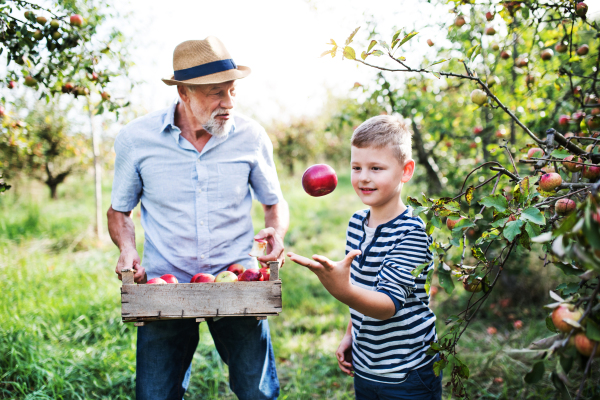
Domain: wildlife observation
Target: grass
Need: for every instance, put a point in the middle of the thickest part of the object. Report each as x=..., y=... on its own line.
x=61, y=336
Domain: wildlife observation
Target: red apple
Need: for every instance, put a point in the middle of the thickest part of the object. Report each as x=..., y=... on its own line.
x=319, y=180
x=577, y=116
x=12, y=84
x=490, y=31
x=473, y=145
x=489, y=15
x=564, y=120
x=546, y=54
x=551, y=181
x=250, y=275
x=30, y=81
x=41, y=20
x=266, y=273
x=585, y=346
x=156, y=281
x=430, y=42
x=201, y=278
x=505, y=54
x=491, y=330
x=105, y=95
x=594, y=122
x=583, y=50
x=581, y=9
x=591, y=171
x=226, y=276
x=477, y=130
x=595, y=111
x=565, y=311
x=169, y=278
x=76, y=20
x=561, y=47
x=569, y=134
x=236, y=269
x=535, y=152
x=450, y=223
x=94, y=76
x=2, y=111
x=478, y=96
x=459, y=21
x=572, y=166
x=518, y=324
x=564, y=206
x=522, y=62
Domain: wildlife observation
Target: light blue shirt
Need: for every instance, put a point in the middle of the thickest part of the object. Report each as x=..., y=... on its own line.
x=195, y=206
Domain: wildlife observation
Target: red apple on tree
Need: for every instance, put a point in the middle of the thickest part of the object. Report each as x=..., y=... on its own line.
x=489, y=15
x=2, y=111
x=450, y=223
x=564, y=206
x=12, y=84
x=202, y=277
x=76, y=20
x=549, y=182
x=572, y=166
x=561, y=47
x=591, y=172
x=490, y=31
x=535, y=152
x=581, y=9
x=585, y=346
x=319, y=180
x=459, y=21
x=505, y=54
x=169, y=278
x=522, y=62
x=477, y=130
x=430, y=42
x=105, y=95
x=564, y=120
x=565, y=311
x=30, y=81
x=546, y=54
x=583, y=50
x=236, y=269
x=41, y=20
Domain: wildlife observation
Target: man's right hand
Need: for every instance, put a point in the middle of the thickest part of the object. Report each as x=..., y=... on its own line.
x=130, y=258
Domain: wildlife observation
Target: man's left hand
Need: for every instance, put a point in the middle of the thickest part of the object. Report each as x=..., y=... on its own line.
x=275, y=249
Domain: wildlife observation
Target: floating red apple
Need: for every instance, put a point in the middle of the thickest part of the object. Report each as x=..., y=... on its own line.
x=319, y=180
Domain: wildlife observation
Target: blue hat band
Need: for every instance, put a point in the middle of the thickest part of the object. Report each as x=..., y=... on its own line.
x=204, y=69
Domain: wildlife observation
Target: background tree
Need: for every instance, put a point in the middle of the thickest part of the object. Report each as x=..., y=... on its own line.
x=513, y=71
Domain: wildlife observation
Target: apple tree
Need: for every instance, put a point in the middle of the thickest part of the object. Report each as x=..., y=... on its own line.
x=67, y=48
x=506, y=109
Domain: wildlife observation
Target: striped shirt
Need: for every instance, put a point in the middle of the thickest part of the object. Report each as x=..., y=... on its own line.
x=387, y=350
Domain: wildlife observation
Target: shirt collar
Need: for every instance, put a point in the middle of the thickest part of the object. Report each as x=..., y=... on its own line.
x=169, y=122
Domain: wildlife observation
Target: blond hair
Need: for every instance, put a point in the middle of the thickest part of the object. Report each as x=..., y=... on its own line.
x=385, y=131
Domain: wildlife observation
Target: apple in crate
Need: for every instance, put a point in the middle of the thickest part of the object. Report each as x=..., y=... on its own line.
x=169, y=278
x=201, y=277
x=226, y=276
x=251, y=275
x=236, y=269
x=266, y=273
x=156, y=281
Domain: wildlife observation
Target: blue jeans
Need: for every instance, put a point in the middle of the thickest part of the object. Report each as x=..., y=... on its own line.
x=422, y=384
x=165, y=350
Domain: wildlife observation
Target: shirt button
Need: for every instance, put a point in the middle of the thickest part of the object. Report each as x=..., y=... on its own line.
x=201, y=222
x=199, y=190
x=202, y=256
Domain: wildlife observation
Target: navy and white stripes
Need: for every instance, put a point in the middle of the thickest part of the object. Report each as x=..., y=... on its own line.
x=386, y=351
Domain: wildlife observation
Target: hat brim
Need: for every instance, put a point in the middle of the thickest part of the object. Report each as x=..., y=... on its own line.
x=219, y=77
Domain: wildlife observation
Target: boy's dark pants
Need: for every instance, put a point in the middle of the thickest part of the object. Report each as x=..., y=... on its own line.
x=422, y=384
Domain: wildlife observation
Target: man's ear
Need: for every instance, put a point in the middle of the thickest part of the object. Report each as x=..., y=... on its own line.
x=408, y=171
x=183, y=93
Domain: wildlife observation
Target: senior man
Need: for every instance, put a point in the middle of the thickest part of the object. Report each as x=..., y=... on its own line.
x=191, y=166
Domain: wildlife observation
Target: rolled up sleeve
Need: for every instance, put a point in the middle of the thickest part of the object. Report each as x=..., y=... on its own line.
x=394, y=278
x=127, y=182
x=263, y=176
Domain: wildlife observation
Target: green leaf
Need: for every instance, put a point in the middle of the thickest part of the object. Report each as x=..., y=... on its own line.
x=534, y=215
x=469, y=194
x=498, y=201
x=478, y=254
x=567, y=269
x=566, y=360
x=550, y=325
x=560, y=386
x=439, y=366
x=377, y=53
x=445, y=280
x=532, y=230
x=473, y=51
x=418, y=269
x=323, y=54
x=536, y=374
x=562, y=153
x=428, y=281
x=364, y=55
x=349, y=53
x=436, y=74
x=437, y=62
x=349, y=40
x=413, y=202
x=437, y=222
x=419, y=210
x=396, y=34
x=407, y=38
x=512, y=229
x=592, y=331
x=373, y=43
x=384, y=45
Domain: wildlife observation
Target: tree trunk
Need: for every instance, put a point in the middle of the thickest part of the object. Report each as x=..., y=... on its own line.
x=97, y=172
x=53, y=187
x=433, y=180
x=53, y=181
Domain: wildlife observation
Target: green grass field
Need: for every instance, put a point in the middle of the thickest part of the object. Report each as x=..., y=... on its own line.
x=61, y=336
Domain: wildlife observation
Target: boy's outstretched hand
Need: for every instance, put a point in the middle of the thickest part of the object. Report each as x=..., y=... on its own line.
x=335, y=276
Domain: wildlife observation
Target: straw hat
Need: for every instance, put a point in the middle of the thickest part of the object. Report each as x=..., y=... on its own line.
x=199, y=62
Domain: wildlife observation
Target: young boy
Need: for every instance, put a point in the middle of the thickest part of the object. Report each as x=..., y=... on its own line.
x=391, y=325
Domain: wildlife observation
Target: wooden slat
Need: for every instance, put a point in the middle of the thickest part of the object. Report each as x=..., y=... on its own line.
x=273, y=270
x=187, y=300
x=127, y=276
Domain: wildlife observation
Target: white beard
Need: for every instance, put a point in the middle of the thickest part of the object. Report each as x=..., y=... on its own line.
x=217, y=128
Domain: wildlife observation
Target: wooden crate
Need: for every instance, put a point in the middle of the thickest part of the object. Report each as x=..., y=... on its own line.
x=144, y=303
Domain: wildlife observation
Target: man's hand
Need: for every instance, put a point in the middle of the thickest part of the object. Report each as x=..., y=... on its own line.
x=344, y=355
x=275, y=248
x=130, y=259
x=335, y=276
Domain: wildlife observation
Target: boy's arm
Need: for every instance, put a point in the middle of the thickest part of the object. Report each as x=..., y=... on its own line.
x=335, y=276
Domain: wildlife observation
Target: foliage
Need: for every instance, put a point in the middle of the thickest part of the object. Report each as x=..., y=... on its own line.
x=511, y=85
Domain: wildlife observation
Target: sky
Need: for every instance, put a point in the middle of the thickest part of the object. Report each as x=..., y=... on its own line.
x=281, y=42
